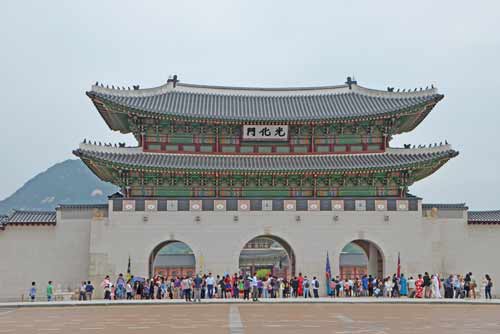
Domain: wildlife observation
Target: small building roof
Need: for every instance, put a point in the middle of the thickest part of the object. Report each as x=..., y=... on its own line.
x=484, y=217
x=30, y=217
x=301, y=104
x=391, y=159
x=83, y=206
x=444, y=206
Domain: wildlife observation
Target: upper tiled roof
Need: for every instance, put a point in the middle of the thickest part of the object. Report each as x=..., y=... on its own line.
x=484, y=217
x=31, y=217
x=445, y=206
x=265, y=104
x=392, y=159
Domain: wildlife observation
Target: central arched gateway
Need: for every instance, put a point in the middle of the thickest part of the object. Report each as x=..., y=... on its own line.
x=172, y=258
x=267, y=252
x=361, y=257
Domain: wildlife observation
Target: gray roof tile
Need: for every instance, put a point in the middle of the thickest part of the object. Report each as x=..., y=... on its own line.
x=391, y=159
x=484, y=217
x=290, y=104
x=31, y=217
x=444, y=206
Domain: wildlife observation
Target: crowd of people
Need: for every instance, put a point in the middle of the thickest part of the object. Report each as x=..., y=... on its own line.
x=198, y=287
x=251, y=286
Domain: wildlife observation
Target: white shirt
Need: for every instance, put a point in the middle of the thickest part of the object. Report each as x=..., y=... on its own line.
x=210, y=280
x=255, y=281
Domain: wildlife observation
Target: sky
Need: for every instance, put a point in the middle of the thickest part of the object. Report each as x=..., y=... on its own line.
x=52, y=51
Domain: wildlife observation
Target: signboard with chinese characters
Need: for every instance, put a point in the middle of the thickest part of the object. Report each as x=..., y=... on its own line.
x=265, y=132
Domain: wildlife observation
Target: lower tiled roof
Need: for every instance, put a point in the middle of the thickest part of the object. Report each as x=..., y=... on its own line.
x=484, y=217
x=392, y=159
x=83, y=206
x=444, y=206
x=22, y=217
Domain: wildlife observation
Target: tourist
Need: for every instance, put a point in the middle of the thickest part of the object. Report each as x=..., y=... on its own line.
x=300, y=285
x=427, y=285
x=106, y=285
x=129, y=290
x=388, y=286
x=419, y=287
x=315, y=287
x=255, y=288
x=241, y=285
x=83, y=291
x=370, y=286
x=50, y=291
x=89, y=290
x=247, y=284
x=404, y=285
x=294, y=284
x=197, y=284
x=177, y=288
x=188, y=283
x=467, y=285
x=487, y=288
x=411, y=287
x=210, y=285
x=436, y=286
x=120, y=287
x=305, y=286
x=473, y=285
x=395, y=287
x=228, y=287
x=32, y=292
x=448, y=287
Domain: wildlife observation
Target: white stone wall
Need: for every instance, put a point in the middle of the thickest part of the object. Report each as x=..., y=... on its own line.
x=90, y=246
x=216, y=239
x=42, y=253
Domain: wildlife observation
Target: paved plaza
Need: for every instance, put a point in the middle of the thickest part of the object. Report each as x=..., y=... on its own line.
x=254, y=318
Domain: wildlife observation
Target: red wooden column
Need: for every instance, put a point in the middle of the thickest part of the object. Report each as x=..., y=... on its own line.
x=216, y=138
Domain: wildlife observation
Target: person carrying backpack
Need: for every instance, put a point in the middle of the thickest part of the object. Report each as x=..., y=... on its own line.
x=32, y=292
x=306, y=286
x=315, y=286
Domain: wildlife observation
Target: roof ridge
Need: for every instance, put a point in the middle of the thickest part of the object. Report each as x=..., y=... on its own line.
x=169, y=87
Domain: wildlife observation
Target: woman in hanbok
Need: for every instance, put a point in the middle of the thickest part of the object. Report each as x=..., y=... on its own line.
x=436, y=289
x=419, y=287
x=404, y=285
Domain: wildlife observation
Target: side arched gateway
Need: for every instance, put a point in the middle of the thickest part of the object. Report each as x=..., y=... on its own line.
x=172, y=258
x=267, y=252
x=360, y=257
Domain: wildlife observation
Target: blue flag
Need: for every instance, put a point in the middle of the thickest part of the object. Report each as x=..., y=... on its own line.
x=328, y=275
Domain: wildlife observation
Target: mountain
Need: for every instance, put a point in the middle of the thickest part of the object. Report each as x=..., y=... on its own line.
x=68, y=182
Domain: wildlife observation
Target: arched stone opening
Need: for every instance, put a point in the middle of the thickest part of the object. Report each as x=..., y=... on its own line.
x=361, y=257
x=172, y=258
x=267, y=252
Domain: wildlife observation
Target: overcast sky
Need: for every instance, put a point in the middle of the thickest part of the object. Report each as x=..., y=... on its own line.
x=52, y=51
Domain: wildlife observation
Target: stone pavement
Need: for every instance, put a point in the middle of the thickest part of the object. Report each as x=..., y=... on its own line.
x=258, y=318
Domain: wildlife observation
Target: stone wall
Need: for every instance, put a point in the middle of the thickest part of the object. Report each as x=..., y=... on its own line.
x=42, y=253
x=92, y=244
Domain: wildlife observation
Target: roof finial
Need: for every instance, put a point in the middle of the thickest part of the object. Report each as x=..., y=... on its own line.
x=84, y=140
x=173, y=80
x=136, y=87
x=350, y=81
